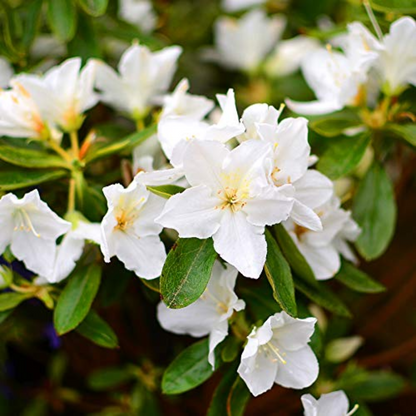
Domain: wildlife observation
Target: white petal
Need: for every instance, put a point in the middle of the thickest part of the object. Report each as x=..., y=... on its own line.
x=300, y=371
x=258, y=372
x=145, y=256
x=334, y=404
x=310, y=405
x=38, y=254
x=313, y=189
x=197, y=319
x=203, y=162
x=324, y=261
x=292, y=334
x=305, y=217
x=313, y=107
x=216, y=336
x=271, y=207
x=241, y=244
x=193, y=213
x=160, y=177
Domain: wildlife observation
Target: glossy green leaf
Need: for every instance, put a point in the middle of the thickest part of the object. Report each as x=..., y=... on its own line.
x=343, y=155
x=94, y=7
x=218, y=405
x=374, y=209
x=62, y=18
x=279, y=276
x=17, y=179
x=404, y=131
x=30, y=158
x=238, y=398
x=357, y=280
x=187, y=271
x=374, y=386
x=100, y=150
x=334, y=125
x=98, y=331
x=109, y=378
x=10, y=300
x=76, y=299
x=231, y=349
x=189, y=369
x=166, y=191
x=294, y=257
x=324, y=297
x=396, y=6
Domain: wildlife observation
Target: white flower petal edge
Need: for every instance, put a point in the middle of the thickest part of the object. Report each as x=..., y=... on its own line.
x=331, y=404
x=31, y=228
x=129, y=231
x=210, y=313
x=278, y=352
x=322, y=248
x=231, y=200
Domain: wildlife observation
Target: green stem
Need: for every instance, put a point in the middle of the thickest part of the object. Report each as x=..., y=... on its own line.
x=74, y=143
x=58, y=149
x=71, y=195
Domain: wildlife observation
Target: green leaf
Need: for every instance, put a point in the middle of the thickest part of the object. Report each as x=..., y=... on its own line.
x=86, y=43
x=374, y=209
x=324, y=297
x=188, y=370
x=10, y=300
x=187, y=271
x=100, y=151
x=62, y=18
x=404, y=131
x=31, y=19
x=335, y=124
x=30, y=158
x=343, y=155
x=218, y=405
x=76, y=299
x=396, y=6
x=166, y=191
x=94, y=7
x=238, y=398
x=375, y=386
x=98, y=331
x=17, y=179
x=109, y=378
x=231, y=349
x=357, y=280
x=279, y=276
x=5, y=314
x=294, y=257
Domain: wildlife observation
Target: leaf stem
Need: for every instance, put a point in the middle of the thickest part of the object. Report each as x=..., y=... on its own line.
x=74, y=142
x=140, y=124
x=58, y=149
x=71, y=195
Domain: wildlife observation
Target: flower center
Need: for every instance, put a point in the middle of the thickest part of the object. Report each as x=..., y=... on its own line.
x=126, y=217
x=232, y=199
x=273, y=353
x=300, y=231
x=25, y=223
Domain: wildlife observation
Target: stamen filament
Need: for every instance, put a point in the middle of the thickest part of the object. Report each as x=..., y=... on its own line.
x=373, y=19
x=353, y=410
x=276, y=352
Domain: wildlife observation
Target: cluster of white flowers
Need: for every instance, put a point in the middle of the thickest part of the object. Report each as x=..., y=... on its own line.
x=240, y=174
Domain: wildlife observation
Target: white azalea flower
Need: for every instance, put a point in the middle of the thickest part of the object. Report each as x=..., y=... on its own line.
x=322, y=249
x=236, y=5
x=210, y=313
x=6, y=73
x=175, y=133
x=180, y=103
x=20, y=116
x=334, y=79
x=63, y=93
x=278, y=352
x=289, y=54
x=288, y=141
x=139, y=13
x=331, y=404
x=243, y=44
x=229, y=200
x=396, y=53
x=142, y=76
x=69, y=251
x=31, y=228
x=129, y=231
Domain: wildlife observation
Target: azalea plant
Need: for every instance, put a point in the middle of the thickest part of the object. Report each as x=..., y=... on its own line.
x=215, y=170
